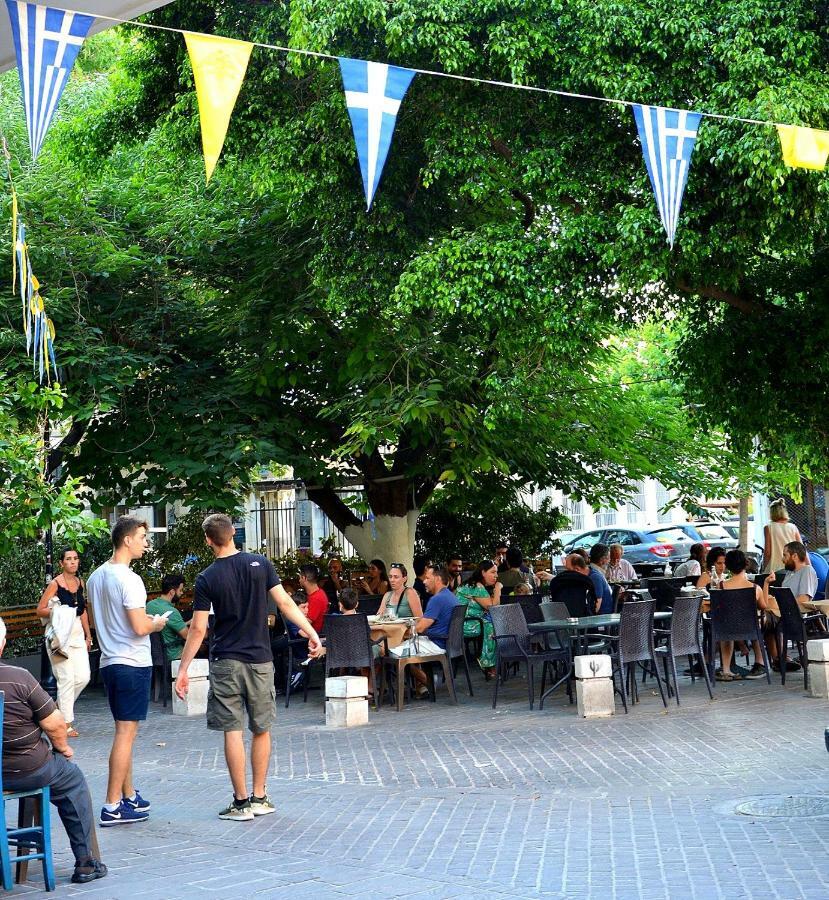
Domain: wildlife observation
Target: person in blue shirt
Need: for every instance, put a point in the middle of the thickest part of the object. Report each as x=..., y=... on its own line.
x=434, y=623
x=821, y=568
x=599, y=559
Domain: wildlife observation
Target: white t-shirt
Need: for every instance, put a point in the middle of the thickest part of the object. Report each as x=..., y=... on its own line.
x=113, y=588
x=689, y=568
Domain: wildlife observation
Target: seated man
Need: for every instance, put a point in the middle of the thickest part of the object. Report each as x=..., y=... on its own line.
x=514, y=574
x=175, y=631
x=821, y=568
x=576, y=573
x=599, y=558
x=619, y=569
x=29, y=717
x=334, y=582
x=801, y=579
x=309, y=576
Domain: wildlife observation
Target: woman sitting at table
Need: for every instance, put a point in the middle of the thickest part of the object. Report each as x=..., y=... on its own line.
x=402, y=600
x=714, y=575
x=735, y=562
x=475, y=595
x=377, y=581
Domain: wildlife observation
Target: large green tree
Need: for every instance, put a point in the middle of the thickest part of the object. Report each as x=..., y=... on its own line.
x=466, y=323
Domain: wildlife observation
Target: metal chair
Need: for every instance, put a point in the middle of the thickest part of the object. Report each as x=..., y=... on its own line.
x=162, y=678
x=633, y=644
x=683, y=639
x=792, y=627
x=514, y=644
x=734, y=618
x=348, y=646
x=35, y=839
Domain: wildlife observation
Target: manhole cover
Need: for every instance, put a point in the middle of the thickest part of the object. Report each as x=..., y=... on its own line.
x=795, y=807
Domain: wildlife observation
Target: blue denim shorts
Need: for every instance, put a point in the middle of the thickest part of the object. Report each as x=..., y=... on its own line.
x=128, y=691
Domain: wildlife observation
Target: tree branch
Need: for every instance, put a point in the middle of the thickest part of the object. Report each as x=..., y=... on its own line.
x=712, y=292
x=70, y=440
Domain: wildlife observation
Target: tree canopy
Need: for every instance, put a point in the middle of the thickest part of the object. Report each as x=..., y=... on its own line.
x=478, y=318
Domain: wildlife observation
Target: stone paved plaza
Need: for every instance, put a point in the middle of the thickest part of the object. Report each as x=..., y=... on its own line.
x=442, y=802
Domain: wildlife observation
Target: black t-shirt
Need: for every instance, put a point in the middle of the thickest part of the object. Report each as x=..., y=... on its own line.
x=237, y=588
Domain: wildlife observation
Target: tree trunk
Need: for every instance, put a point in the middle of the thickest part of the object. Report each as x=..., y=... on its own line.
x=744, y=524
x=390, y=538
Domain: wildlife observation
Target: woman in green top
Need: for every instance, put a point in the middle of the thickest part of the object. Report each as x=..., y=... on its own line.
x=403, y=600
x=475, y=595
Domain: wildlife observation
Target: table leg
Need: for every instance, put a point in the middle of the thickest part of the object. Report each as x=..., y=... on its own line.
x=447, y=677
x=401, y=683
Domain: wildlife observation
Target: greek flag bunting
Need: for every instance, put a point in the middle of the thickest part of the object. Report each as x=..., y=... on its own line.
x=668, y=137
x=373, y=94
x=47, y=42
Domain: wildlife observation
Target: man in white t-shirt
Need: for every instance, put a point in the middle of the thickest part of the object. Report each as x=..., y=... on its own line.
x=118, y=602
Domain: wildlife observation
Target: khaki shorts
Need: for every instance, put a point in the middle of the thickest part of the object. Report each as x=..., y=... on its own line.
x=237, y=688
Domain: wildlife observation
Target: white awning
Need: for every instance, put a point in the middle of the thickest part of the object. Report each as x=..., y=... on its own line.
x=121, y=9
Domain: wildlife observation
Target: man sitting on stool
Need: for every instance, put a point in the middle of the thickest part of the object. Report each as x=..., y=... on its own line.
x=29, y=762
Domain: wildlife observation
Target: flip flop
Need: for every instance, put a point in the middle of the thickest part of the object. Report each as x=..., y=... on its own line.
x=70, y=732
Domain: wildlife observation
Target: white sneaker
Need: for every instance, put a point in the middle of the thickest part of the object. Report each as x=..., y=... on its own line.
x=234, y=813
x=261, y=806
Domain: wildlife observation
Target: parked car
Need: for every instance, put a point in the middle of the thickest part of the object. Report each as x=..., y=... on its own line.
x=646, y=553
x=711, y=534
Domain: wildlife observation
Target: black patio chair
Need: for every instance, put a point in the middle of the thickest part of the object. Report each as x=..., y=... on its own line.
x=683, y=639
x=296, y=647
x=456, y=644
x=514, y=643
x=348, y=646
x=553, y=610
x=633, y=644
x=579, y=600
x=532, y=610
x=162, y=679
x=665, y=590
x=792, y=627
x=734, y=618
x=370, y=603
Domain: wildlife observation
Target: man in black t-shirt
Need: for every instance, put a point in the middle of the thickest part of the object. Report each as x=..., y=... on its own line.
x=235, y=588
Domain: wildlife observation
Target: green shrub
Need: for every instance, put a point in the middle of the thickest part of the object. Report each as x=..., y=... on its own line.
x=22, y=574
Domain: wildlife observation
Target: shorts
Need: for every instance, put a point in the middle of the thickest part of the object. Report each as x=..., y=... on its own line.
x=237, y=688
x=770, y=622
x=128, y=691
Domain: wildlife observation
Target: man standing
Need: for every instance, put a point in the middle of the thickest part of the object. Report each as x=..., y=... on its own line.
x=118, y=601
x=29, y=762
x=175, y=631
x=237, y=586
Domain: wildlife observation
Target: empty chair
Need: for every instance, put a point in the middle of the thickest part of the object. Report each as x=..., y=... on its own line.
x=634, y=644
x=456, y=644
x=514, y=643
x=553, y=610
x=532, y=610
x=792, y=627
x=370, y=603
x=683, y=639
x=348, y=646
x=734, y=618
x=665, y=590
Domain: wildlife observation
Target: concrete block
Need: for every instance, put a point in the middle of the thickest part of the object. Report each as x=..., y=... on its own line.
x=818, y=650
x=594, y=698
x=195, y=703
x=346, y=686
x=818, y=678
x=595, y=666
x=198, y=668
x=342, y=713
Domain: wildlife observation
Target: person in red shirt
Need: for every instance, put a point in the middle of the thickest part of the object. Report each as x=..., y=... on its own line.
x=309, y=577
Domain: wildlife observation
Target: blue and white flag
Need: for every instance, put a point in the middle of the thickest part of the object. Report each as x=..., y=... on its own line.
x=47, y=42
x=373, y=93
x=668, y=137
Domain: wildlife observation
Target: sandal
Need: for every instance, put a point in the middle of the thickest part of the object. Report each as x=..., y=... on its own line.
x=719, y=675
x=70, y=731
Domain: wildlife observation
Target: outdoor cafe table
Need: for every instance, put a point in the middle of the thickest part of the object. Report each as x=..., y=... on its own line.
x=393, y=632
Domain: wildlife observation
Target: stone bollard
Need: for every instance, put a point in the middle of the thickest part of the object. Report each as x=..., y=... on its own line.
x=195, y=703
x=594, y=686
x=346, y=701
x=817, y=652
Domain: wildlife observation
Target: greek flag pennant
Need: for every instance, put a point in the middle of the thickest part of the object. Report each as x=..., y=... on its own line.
x=373, y=94
x=668, y=137
x=47, y=42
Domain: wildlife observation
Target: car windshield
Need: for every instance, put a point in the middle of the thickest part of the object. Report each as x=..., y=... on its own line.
x=713, y=532
x=670, y=534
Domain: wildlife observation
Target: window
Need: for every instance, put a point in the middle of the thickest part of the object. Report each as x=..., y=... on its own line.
x=574, y=510
x=587, y=540
x=623, y=537
x=606, y=516
x=635, y=507
x=671, y=535
x=714, y=532
x=663, y=497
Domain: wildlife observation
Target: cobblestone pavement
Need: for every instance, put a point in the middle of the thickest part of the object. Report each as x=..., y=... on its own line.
x=442, y=802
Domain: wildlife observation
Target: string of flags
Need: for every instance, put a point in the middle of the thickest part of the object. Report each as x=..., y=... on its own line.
x=47, y=41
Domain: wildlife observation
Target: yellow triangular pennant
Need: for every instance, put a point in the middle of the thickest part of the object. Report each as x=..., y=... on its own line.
x=803, y=148
x=219, y=66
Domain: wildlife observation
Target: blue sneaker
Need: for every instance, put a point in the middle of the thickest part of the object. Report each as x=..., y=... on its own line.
x=137, y=802
x=124, y=815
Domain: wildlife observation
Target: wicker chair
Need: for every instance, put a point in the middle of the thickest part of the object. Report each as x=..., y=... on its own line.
x=792, y=627
x=580, y=601
x=162, y=679
x=293, y=646
x=514, y=643
x=683, y=639
x=734, y=618
x=553, y=610
x=633, y=644
x=456, y=644
x=348, y=646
